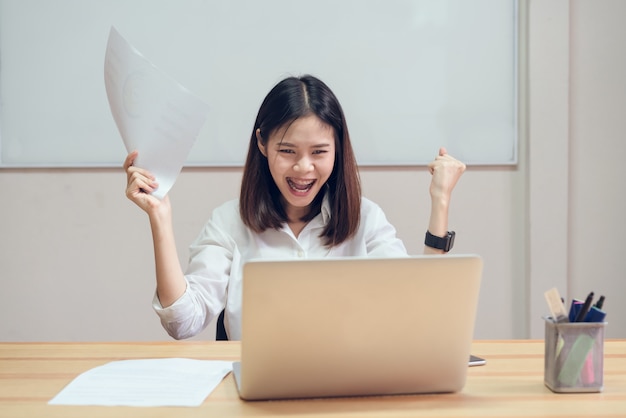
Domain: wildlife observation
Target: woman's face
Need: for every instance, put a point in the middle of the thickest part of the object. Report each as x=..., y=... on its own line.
x=301, y=157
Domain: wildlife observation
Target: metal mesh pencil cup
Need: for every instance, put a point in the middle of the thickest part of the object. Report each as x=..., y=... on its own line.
x=574, y=356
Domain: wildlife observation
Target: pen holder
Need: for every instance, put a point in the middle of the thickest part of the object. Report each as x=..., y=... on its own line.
x=574, y=356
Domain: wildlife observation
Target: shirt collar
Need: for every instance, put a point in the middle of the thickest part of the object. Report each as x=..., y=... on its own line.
x=325, y=210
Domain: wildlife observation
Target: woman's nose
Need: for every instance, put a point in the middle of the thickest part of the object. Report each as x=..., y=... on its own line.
x=303, y=165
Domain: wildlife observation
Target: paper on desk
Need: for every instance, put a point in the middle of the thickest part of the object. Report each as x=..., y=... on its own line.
x=147, y=382
x=154, y=114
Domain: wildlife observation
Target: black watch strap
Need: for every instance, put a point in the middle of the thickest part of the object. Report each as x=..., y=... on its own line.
x=440, y=243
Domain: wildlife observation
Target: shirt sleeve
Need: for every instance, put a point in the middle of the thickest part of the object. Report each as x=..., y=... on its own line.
x=207, y=276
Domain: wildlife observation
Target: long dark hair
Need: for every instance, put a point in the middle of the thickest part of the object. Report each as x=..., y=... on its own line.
x=260, y=200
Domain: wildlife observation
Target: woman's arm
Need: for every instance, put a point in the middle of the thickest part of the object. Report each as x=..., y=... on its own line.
x=171, y=283
x=446, y=171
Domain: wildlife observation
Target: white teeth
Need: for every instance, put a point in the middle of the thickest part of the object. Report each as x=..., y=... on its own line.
x=300, y=186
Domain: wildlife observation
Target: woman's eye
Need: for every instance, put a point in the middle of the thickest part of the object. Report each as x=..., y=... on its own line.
x=319, y=151
x=286, y=151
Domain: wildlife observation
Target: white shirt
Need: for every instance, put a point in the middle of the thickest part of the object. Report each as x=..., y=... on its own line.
x=225, y=244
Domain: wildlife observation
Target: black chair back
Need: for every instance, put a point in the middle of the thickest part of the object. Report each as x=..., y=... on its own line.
x=220, y=331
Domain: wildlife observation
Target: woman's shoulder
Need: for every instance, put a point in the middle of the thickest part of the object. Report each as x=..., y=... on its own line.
x=227, y=206
x=224, y=223
x=372, y=214
x=227, y=212
x=369, y=206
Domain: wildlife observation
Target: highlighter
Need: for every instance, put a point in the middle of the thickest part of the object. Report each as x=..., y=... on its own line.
x=587, y=375
x=574, y=309
x=575, y=361
x=595, y=314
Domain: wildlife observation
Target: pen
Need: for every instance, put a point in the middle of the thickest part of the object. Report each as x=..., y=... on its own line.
x=596, y=314
x=585, y=308
x=600, y=302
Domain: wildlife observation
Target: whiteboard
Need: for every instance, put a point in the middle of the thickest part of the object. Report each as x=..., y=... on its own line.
x=412, y=75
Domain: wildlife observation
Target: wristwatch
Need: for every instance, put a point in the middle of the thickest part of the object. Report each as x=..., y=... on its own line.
x=440, y=243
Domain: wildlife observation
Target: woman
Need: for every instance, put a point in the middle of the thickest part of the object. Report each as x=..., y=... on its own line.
x=300, y=198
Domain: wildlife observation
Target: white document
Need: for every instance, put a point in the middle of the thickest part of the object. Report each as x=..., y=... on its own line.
x=154, y=114
x=149, y=382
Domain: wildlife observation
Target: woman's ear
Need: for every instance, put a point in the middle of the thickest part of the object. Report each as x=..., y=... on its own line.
x=259, y=142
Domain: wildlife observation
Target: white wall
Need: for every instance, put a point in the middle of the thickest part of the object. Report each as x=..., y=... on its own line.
x=76, y=257
x=597, y=151
x=576, y=99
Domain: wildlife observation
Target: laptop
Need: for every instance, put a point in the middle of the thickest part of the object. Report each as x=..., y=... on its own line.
x=357, y=326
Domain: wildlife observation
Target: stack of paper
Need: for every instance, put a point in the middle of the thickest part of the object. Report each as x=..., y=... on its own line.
x=154, y=114
x=149, y=382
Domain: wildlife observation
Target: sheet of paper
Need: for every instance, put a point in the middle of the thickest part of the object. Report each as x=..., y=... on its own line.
x=154, y=114
x=146, y=382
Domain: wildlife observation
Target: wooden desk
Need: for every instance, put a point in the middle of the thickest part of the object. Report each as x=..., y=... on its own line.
x=510, y=385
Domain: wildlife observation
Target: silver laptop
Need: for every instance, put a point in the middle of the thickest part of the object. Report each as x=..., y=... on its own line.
x=357, y=326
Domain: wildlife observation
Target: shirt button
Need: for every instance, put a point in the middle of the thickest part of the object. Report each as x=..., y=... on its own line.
x=300, y=253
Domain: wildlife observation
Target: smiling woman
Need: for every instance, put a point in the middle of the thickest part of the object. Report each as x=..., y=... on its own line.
x=301, y=158
x=301, y=138
x=300, y=198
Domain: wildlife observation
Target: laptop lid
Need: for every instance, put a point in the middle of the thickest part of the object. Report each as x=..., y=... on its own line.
x=357, y=326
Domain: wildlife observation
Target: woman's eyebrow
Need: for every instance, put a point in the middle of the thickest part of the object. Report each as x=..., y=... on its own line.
x=291, y=145
x=285, y=144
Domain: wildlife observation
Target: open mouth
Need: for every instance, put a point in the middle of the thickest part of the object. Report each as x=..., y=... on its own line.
x=300, y=186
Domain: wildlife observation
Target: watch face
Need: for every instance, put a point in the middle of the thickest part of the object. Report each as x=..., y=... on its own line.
x=451, y=236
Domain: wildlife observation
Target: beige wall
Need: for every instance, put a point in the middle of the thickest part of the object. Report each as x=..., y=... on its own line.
x=76, y=256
